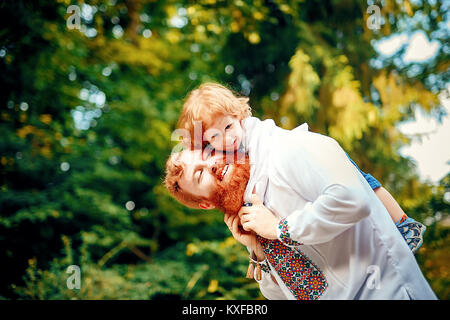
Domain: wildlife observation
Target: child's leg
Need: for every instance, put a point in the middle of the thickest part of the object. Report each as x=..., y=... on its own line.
x=394, y=209
x=388, y=201
x=411, y=230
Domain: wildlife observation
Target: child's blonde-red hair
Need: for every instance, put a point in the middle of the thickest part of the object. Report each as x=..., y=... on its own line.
x=207, y=102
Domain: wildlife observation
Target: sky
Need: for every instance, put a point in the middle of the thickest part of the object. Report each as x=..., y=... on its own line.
x=430, y=152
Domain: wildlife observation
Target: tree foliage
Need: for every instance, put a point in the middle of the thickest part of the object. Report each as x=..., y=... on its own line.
x=87, y=116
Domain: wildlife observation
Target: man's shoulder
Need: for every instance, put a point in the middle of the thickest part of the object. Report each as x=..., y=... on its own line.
x=297, y=150
x=257, y=133
x=301, y=141
x=251, y=123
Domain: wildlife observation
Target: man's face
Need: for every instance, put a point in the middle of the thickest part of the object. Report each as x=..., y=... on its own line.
x=203, y=171
x=207, y=175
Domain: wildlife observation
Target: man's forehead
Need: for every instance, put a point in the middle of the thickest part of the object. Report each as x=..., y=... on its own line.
x=187, y=157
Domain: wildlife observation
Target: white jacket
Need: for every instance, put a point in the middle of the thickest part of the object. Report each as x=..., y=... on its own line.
x=341, y=242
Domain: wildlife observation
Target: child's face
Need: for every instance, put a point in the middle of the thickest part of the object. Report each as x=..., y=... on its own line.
x=225, y=133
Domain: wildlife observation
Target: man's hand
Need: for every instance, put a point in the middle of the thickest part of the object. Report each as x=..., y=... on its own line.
x=259, y=219
x=247, y=238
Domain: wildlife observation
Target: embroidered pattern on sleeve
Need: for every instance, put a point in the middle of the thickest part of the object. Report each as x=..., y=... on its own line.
x=303, y=278
x=285, y=236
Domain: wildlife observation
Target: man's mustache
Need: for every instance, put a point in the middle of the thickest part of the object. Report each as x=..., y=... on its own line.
x=227, y=157
x=229, y=195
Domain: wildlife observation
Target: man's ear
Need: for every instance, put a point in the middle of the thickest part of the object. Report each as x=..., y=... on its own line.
x=206, y=205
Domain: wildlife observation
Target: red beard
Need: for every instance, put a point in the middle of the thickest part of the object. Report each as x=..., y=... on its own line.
x=229, y=196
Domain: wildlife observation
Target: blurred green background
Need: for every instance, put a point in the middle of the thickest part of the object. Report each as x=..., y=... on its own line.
x=87, y=115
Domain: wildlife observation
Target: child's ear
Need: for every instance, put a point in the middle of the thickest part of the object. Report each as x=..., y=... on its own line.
x=206, y=205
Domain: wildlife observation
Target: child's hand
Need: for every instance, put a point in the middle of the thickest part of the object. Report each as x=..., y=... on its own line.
x=259, y=219
x=247, y=238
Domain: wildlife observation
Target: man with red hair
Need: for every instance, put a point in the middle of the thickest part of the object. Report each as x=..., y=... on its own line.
x=321, y=234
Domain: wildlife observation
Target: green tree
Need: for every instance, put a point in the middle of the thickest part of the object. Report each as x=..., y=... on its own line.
x=87, y=117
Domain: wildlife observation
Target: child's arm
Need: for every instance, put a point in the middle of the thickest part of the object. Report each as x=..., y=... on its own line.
x=394, y=209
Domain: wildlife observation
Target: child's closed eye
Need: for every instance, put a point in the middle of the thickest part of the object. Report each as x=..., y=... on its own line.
x=208, y=150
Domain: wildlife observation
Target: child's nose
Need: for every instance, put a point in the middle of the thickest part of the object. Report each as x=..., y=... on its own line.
x=229, y=141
